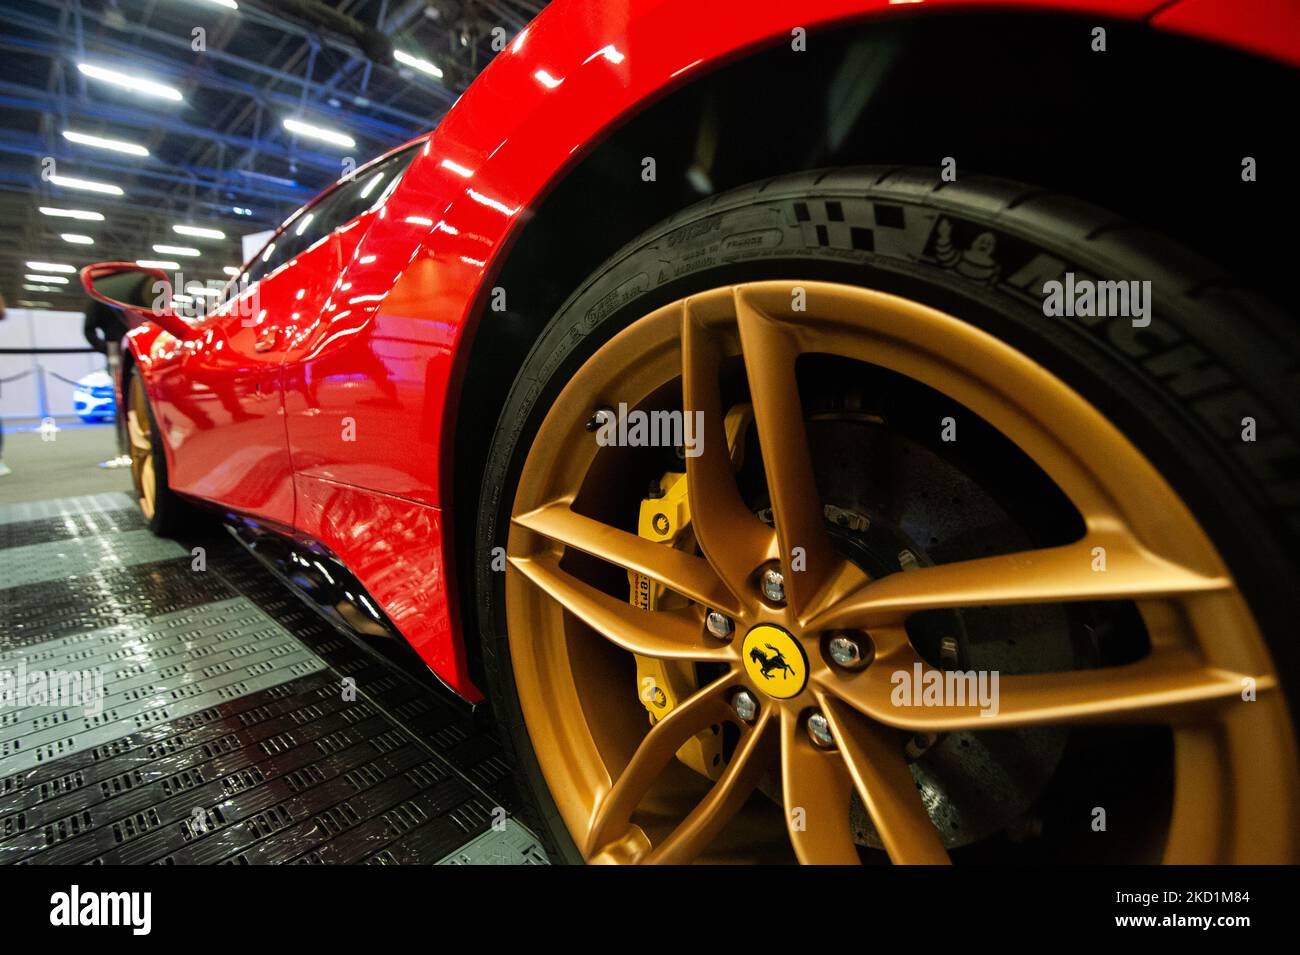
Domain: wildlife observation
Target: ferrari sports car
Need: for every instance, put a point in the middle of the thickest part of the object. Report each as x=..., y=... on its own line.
x=839, y=431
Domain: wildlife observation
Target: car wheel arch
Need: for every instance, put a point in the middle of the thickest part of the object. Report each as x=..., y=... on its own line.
x=593, y=209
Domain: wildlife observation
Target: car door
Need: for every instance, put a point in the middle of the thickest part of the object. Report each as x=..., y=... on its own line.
x=338, y=390
x=226, y=408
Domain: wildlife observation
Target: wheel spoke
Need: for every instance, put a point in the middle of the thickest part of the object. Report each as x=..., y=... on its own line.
x=664, y=634
x=677, y=570
x=1168, y=686
x=816, y=787
x=1067, y=573
x=770, y=350
x=139, y=440
x=886, y=787
x=613, y=811
x=148, y=488
x=732, y=538
x=723, y=800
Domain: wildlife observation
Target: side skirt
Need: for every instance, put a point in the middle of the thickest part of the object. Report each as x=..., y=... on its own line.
x=319, y=579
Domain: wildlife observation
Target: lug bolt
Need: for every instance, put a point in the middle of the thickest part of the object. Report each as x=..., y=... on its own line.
x=719, y=625
x=745, y=705
x=848, y=651
x=819, y=728
x=919, y=745
x=773, y=585
x=601, y=416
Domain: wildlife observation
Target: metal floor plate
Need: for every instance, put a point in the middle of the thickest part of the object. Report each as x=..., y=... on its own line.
x=510, y=844
x=66, y=506
x=235, y=725
x=54, y=560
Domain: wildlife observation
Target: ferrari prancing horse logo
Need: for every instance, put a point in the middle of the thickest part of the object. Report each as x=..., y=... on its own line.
x=774, y=661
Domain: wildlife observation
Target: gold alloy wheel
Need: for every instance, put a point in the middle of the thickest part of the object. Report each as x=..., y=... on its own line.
x=619, y=789
x=141, y=437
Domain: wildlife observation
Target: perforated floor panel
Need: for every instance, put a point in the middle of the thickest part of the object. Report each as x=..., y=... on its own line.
x=157, y=713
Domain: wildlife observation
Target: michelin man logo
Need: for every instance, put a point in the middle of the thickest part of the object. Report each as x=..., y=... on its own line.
x=975, y=262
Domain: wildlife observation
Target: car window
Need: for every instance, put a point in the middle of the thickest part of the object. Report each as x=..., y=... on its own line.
x=299, y=234
x=340, y=207
x=371, y=187
x=306, y=230
x=263, y=263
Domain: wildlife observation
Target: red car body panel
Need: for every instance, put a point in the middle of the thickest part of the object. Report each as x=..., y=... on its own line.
x=343, y=429
x=1268, y=27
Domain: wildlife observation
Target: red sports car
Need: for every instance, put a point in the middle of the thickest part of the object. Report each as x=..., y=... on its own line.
x=844, y=430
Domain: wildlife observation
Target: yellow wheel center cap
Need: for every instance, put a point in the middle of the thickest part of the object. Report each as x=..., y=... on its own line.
x=775, y=661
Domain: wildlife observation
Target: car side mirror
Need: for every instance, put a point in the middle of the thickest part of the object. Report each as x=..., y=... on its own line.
x=142, y=292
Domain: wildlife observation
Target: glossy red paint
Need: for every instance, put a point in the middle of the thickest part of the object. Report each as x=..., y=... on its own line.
x=396, y=548
x=1268, y=27
x=343, y=427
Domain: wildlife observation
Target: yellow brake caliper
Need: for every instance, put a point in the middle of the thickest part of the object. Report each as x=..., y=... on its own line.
x=666, y=519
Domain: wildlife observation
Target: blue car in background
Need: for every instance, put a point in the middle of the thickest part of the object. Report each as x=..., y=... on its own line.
x=93, y=398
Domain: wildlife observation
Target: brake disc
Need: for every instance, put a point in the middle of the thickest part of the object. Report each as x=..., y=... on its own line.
x=898, y=506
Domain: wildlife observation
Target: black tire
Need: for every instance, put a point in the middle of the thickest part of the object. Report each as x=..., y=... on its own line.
x=1214, y=353
x=173, y=516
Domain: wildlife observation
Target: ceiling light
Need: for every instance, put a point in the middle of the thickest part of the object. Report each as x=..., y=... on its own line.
x=319, y=132
x=197, y=232
x=47, y=279
x=52, y=267
x=424, y=66
x=42, y=288
x=29, y=304
x=73, y=214
x=136, y=84
x=241, y=211
x=267, y=177
x=230, y=270
x=228, y=4
x=89, y=185
x=76, y=238
x=176, y=250
x=100, y=142
x=157, y=264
